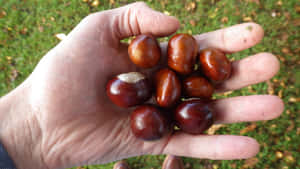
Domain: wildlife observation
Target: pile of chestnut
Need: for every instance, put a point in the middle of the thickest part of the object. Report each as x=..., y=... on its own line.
x=182, y=89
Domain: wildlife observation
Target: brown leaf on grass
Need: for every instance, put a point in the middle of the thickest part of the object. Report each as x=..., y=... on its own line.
x=247, y=19
x=80, y=168
x=250, y=163
x=14, y=74
x=255, y=1
x=279, y=3
x=294, y=100
x=279, y=154
x=291, y=127
x=192, y=22
x=191, y=6
x=297, y=8
x=233, y=165
x=212, y=130
x=298, y=131
x=2, y=14
x=24, y=31
x=296, y=22
x=112, y=2
x=270, y=87
x=287, y=15
x=249, y=128
x=224, y=19
x=41, y=28
x=289, y=159
x=95, y=3
x=285, y=50
x=280, y=93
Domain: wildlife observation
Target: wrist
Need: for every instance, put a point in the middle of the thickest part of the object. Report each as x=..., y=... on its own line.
x=20, y=133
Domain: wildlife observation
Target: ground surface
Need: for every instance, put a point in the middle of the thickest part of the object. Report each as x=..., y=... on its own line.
x=27, y=29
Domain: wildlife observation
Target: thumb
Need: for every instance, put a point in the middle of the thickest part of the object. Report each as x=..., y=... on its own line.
x=138, y=18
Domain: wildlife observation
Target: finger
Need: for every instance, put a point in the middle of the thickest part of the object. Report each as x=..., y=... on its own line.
x=232, y=39
x=216, y=147
x=247, y=108
x=250, y=70
x=138, y=18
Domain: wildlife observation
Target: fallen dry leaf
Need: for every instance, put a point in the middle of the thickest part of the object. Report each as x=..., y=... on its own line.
x=192, y=22
x=270, y=87
x=2, y=14
x=191, y=6
x=279, y=3
x=14, y=74
x=224, y=19
x=294, y=100
x=297, y=8
x=279, y=154
x=251, y=127
x=212, y=130
x=95, y=3
x=291, y=127
x=280, y=93
x=250, y=163
x=285, y=50
x=296, y=22
x=247, y=19
x=60, y=36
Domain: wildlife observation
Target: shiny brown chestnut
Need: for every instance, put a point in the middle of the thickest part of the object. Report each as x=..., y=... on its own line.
x=144, y=51
x=197, y=86
x=172, y=162
x=214, y=64
x=182, y=53
x=168, y=88
x=194, y=116
x=149, y=123
x=129, y=89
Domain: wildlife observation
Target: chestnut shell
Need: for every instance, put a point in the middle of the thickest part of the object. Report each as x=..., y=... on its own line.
x=197, y=86
x=168, y=87
x=214, y=64
x=194, y=116
x=125, y=94
x=149, y=123
x=182, y=53
x=144, y=51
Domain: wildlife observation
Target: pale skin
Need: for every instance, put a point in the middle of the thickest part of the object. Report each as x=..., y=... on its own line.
x=60, y=115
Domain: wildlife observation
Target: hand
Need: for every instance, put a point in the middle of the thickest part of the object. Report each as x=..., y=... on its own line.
x=72, y=122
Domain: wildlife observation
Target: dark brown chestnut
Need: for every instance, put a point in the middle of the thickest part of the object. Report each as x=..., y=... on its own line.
x=168, y=88
x=193, y=116
x=172, y=162
x=214, y=64
x=149, y=123
x=197, y=86
x=144, y=51
x=129, y=89
x=182, y=53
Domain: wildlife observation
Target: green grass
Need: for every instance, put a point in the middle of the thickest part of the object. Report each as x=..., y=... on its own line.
x=27, y=30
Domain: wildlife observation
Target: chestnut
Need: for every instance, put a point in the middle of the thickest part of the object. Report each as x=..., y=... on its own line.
x=182, y=53
x=144, y=51
x=172, y=162
x=168, y=88
x=214, y=64
x=121, y=165
x=197, y=86
x=149, y=123
x=194, y=116
x=129, y=89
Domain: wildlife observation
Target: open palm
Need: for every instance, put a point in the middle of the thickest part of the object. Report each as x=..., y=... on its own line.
x=80, y=125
